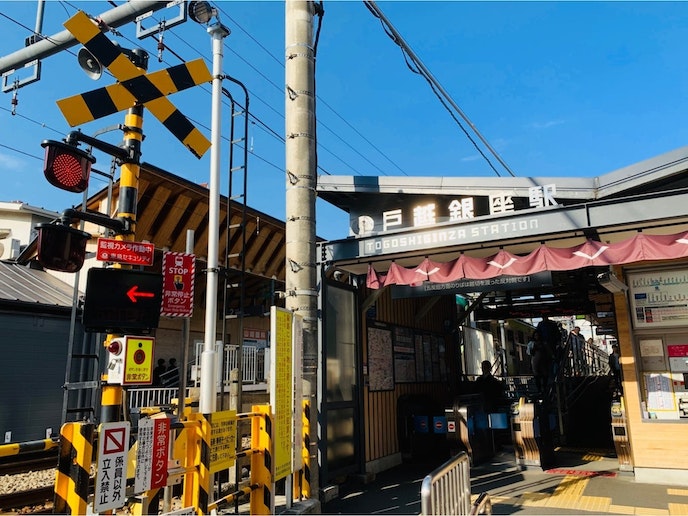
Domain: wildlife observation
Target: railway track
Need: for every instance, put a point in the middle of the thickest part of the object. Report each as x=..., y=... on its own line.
x=32, y=501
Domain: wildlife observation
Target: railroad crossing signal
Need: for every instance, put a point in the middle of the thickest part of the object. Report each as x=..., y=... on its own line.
x=134, y=86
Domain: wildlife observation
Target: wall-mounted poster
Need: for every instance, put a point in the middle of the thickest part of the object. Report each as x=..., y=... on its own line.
x=380, y=360
x=404, y=355
x=659, y=299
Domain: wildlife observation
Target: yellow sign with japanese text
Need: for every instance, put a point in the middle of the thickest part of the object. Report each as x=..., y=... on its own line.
x=138, y=361
x=223, y=431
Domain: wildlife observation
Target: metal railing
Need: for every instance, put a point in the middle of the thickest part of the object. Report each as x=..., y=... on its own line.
x=447, y=490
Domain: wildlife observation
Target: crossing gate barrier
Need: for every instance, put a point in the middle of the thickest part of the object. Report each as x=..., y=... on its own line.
x=447, y=490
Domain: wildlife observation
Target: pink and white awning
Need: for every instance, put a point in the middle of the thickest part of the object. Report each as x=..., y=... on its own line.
x=640, y=248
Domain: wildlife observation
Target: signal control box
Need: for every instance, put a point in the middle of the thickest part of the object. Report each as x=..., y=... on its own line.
x=130, y=360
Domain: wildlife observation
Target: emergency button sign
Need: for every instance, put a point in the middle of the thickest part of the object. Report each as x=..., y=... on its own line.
x=178, y=272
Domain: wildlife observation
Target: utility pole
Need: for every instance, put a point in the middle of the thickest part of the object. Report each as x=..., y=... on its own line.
x=301, y=278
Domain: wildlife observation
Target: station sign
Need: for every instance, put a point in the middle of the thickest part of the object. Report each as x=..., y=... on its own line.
x=122, y=300
x=123, y=251
x=111, y=472
x=178, y=272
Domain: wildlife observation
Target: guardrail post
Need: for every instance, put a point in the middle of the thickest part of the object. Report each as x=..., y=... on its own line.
x=74, y=468
x=262, y=464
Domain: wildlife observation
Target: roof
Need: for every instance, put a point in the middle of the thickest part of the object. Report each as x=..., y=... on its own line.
x=347, y=192
x=23, y=285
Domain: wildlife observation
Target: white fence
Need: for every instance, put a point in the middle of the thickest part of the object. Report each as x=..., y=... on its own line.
x=255, y=367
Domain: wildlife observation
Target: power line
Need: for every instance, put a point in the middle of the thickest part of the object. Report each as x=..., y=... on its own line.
x=436, y=87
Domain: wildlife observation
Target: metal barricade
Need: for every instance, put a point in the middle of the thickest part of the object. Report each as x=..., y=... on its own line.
x=447, y=490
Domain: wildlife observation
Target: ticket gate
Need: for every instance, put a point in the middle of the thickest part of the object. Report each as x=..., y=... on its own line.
x=531, y=430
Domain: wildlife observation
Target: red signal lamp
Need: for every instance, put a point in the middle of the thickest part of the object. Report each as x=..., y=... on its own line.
x=115, y=347
x=61, y=248
x=67, y=167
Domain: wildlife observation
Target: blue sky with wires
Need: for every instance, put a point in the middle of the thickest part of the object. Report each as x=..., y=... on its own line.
x=556, y=88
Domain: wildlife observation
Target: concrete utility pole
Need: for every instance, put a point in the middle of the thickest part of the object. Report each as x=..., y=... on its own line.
x=50, y=45
x=301, y=280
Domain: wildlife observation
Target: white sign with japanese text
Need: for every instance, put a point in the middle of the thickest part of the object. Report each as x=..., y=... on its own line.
x=152, y=454
x=111, y=473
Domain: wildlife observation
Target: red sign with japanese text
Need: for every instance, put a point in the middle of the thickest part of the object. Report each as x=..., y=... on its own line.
x=178, y=273
x=124, y=251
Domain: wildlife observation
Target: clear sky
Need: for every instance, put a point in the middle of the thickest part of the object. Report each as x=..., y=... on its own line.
x=557, y=89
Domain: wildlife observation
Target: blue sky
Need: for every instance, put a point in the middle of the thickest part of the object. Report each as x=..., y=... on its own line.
x=557, y=88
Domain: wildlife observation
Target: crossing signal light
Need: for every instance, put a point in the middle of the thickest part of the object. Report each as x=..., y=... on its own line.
x=61, y=248
x=65, y=166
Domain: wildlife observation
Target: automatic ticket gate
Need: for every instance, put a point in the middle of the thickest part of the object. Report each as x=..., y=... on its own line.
x=531, y=430
x=471, y=429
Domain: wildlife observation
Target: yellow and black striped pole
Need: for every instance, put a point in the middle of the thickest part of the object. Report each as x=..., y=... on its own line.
x=111, y=399
x=302, y=478
x=262, y=465
x=7, y=450
x=74, y=468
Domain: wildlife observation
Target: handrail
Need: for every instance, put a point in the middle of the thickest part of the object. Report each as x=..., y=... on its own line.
x=447, y=489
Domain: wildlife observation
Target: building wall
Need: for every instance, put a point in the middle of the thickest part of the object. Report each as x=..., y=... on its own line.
x=34, y=351
x=381, y=409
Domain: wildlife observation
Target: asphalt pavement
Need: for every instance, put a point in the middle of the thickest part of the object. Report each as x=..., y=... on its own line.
x=582, y=482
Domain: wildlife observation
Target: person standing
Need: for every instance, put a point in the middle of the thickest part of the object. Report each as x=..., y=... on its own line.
x=615, y=367
x=577, y=343
x=158, y=372
x=551, y=337
x=540, y=362
x=490, y=387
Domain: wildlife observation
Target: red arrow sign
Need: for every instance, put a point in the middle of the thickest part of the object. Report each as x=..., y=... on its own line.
x=133, y=293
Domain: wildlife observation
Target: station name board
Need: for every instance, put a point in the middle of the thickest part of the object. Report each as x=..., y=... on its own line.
x=431, y=211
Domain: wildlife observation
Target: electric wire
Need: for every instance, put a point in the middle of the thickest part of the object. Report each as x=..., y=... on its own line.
x=260, y=123
x=444, y=98
x=320, y=99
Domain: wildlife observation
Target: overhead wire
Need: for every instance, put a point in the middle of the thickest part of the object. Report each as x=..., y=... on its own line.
x=419, y=68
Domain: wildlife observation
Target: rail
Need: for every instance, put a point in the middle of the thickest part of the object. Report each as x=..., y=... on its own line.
x=447, y=490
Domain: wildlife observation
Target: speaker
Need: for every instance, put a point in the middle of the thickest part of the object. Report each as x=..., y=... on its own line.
x=89, y=64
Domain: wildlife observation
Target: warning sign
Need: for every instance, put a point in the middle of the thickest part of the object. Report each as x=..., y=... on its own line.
x=222, y=440
x=152, y=454
x=178, y=274
x=111, y=469
x=138, y=362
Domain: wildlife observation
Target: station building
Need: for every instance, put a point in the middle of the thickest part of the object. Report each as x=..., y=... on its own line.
x=612, y=248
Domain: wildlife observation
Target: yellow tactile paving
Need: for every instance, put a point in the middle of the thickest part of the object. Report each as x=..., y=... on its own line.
x=677, y=492
x=678, y=509
x=644, y=511
x=621, y=509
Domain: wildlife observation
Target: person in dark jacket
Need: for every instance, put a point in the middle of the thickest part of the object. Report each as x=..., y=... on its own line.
x=490, y=387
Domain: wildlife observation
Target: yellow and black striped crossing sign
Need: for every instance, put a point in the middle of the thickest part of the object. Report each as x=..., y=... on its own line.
x=134, y=86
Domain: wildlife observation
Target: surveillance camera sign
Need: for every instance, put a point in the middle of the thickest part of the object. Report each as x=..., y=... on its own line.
x=178, y=272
